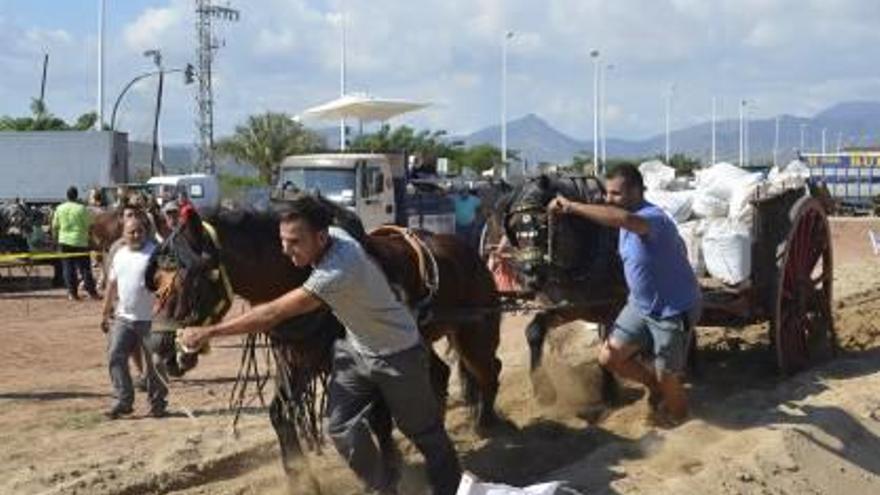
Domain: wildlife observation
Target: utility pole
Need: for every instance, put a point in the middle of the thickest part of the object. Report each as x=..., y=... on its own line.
x=43, y=81
x=714, y=118
x=205, y=11
x=507, y=35
x=157, y=60
x=99, y=122
x=742, y=133
x=603, y=104
x=668, y=119
x=823, y=139
x=803, y=128
x=342, y=144
x=595, y=56
x=776, y=143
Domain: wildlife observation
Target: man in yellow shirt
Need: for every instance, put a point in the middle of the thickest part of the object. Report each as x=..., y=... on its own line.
x=70, y=224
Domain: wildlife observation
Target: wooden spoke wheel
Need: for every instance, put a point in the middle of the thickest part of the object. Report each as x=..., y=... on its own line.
x=803, y=327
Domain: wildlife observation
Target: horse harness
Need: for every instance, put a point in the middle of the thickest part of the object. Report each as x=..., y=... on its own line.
x=429, y=272
x=219, y=273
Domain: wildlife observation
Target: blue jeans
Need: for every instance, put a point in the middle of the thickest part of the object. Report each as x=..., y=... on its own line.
x=666, y=339
x=125, y=338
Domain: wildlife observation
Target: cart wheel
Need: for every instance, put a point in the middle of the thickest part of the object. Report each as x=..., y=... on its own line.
x=803, y=328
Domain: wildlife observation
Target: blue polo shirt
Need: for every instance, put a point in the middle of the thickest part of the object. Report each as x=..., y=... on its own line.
x=661, y=282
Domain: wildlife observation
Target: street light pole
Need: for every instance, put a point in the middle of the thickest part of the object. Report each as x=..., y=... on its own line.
x=776, y=143
x=823, y=139
x=507, y=35
x=742, y=132
x=157, y=59
x=603, y=94
x=803, y=128
x=342, y=144
x=668, y=119
x=99, y=122
x=714, y=117
x=595, y=56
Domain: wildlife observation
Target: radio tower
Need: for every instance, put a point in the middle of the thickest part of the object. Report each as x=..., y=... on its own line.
x=205, y=12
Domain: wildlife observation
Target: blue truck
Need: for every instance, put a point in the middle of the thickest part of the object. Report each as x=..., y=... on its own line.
x=852, y=176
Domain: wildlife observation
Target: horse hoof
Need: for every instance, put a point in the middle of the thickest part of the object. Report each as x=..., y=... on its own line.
x=542, y=387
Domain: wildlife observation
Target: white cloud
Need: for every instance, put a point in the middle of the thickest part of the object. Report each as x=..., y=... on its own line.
x=151, y=27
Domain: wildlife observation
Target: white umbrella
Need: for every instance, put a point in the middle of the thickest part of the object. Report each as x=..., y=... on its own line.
x=363, y=108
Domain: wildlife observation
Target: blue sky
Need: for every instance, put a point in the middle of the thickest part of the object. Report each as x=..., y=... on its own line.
x=785, y=56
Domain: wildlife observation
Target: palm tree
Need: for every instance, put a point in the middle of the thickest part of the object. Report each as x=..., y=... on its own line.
x=265, y=140
x=43, y=120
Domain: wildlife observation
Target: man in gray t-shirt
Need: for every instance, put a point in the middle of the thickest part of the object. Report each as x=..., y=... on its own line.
x=381, y=358
x=355, y=288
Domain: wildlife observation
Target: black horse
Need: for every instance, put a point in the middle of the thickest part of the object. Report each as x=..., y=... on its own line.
x=568, y=263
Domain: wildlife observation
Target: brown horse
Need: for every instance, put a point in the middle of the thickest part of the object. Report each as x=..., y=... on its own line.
x=247, y=252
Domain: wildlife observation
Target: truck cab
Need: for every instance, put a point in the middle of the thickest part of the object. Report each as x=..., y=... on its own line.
x=201, y=189
x=374, y=186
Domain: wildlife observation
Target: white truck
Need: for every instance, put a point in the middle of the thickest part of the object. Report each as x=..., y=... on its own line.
x=38, y=167
x=375, y=186
x=202, y=190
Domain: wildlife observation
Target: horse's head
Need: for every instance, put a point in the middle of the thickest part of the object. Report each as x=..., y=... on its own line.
x=534, y=234
x=186, y=275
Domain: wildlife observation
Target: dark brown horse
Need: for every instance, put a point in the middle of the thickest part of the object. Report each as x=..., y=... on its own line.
x=247, y=249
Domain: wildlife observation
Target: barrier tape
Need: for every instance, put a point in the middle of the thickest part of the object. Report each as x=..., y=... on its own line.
x=29, y=257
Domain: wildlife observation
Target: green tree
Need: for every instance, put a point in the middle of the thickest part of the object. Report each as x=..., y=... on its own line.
x=42, y=120
x=265, y=140
x=429, y=145
x=683, y=164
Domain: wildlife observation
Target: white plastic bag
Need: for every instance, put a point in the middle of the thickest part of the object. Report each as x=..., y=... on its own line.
x=720, y=179
x=676, y=204
x=727, y=251
x=656, y=175
x=471, y=486
x=692, y=235
x=708, y=205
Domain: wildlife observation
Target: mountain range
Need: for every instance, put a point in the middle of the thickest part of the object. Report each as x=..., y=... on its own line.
x=855, y=123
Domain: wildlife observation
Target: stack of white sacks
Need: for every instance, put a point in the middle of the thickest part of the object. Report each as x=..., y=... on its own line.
x=714, y=211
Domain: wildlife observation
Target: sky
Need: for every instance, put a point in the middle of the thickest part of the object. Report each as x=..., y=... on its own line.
x=783, y=56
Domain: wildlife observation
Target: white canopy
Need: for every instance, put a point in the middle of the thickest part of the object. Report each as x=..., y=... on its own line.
x=363, y=108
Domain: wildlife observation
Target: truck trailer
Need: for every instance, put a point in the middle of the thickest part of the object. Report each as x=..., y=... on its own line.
x=37, y=167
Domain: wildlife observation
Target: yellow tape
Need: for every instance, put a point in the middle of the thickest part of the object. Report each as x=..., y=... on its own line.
x=41, y=256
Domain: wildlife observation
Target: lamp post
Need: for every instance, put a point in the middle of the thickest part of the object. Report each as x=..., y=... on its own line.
x=776, y=143
x=742, y=133
x=823, y=139
x=714, y=118
x=99, y=123
x=595, y=56
x=156, y=55
x=342, y=133
x=803, y=128
x=507, y=35
x=603, y=93
x=668, y=119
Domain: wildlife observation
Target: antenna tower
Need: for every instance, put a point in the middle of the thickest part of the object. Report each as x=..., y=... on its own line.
x=207, y=44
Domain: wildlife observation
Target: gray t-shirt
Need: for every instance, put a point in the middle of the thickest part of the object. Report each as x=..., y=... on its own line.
x=353, y=285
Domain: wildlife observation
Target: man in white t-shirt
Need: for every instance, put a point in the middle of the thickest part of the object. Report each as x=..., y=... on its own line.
x=131, y=320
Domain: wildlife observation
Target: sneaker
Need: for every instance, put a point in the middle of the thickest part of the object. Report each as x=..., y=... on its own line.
x=118, y=412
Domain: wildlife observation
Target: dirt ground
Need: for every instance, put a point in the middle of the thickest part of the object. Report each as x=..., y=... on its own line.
x=751, y=431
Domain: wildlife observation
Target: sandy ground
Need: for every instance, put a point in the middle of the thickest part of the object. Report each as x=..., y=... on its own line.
x=752, y=431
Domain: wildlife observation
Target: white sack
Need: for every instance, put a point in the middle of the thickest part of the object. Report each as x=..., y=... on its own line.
x=708, y=205
x=692, y=235
x=741, y=209
x=470, y=486
x=727, y=251
x=720, y=179
x=656, y=175
x=792, y=176
x=676, y=204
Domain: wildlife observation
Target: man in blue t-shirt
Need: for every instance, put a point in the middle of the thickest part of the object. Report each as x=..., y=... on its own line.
x=664, y=298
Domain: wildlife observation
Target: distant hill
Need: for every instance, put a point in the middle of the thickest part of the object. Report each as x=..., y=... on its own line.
x=854, y=123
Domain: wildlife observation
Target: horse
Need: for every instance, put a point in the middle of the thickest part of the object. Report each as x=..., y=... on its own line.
x=567, y=263
x=443, y=279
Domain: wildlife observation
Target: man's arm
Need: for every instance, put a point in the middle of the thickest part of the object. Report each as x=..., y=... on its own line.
x=258, y=319
x=607, y=215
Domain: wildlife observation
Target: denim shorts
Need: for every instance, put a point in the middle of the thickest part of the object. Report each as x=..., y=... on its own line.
x=666, y=339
